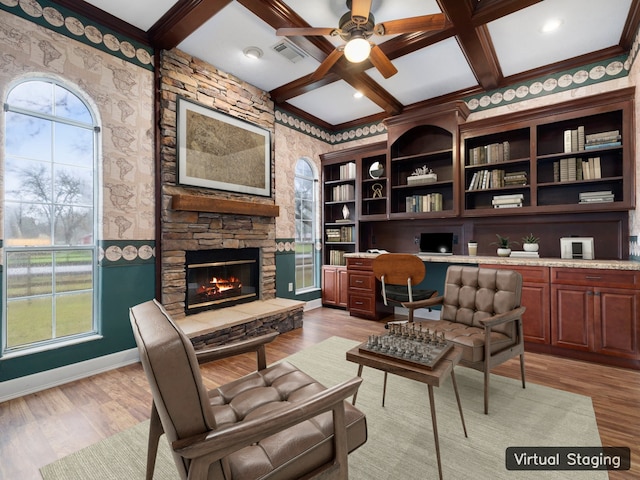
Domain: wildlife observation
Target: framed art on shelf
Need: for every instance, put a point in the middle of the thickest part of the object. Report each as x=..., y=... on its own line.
x=218, y=151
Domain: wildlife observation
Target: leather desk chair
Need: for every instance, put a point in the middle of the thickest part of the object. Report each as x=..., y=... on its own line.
x=399, y=273
x=276, y=423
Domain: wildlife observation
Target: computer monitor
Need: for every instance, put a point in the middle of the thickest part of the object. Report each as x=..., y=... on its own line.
x=436, y=243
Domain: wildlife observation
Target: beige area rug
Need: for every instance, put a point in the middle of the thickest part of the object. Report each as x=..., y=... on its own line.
x=400, y=444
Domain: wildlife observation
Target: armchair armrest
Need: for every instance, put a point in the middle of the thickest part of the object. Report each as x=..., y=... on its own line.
x=506, y=317
x=429, y=302
x=219, y=443
x=255, y=344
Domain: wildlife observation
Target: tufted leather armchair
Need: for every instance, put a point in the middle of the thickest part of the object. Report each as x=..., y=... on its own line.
x=276, y=423
x=481, y=311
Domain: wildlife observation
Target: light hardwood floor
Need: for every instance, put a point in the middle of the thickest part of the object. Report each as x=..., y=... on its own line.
x=38, y=429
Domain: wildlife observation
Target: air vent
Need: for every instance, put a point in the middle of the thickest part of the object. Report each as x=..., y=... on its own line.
x=289, y=51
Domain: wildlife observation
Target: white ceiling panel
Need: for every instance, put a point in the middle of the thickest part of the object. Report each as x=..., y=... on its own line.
x=139, y=13
x=442, y=70
x=587, y=26
x=335, y=103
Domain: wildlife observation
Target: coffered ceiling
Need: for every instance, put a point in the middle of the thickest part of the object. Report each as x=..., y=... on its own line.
x=483, y=45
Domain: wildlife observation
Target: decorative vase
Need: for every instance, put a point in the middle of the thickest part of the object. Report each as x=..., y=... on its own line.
x=530, y=247
x=504, y=252
x=345, y=212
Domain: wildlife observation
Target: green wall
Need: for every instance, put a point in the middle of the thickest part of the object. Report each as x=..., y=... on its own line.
x=286, y=272
x=121, y=286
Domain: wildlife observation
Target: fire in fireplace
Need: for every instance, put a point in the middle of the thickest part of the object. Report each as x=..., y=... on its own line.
x=220, y=278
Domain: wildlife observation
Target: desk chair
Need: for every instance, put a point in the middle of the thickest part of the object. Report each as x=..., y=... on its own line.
x=399, y=273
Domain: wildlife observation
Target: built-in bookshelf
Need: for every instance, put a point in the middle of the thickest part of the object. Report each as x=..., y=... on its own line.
x=578, y=154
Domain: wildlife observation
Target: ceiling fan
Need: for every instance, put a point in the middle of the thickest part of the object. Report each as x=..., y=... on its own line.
x=355, y=28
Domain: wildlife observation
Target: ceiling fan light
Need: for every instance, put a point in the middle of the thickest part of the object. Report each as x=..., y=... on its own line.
x=357, y=50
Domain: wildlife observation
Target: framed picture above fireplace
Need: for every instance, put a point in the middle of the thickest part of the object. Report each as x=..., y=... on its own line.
x=218, y=151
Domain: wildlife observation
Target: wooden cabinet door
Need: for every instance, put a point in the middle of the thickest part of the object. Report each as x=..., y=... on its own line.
x=536, y=320
x=342, y=287
x=616, y=322
x=571, y=317
x=329, y=286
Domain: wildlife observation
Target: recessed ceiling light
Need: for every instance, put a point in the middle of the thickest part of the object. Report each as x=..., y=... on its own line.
x=358, y=95
x=551, y=25
x=252, y=52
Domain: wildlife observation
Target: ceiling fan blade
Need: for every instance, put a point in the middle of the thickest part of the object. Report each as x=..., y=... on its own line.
x=360, y=11
x=382, y=62
x=326, y=65
x=425, y=23
x=304, y=31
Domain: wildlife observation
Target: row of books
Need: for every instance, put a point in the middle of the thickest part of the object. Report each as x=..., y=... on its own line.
x=569, y=169
x=492, y=153
x=343, y=193
x=575, y=140
x=431, y=202
x=508, y=201
x=484, y=179
x=336, y=257
x=342, y=234
x=347, y=171
x=602, y=196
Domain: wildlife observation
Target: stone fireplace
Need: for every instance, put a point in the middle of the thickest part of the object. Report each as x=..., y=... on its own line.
x=194, y=227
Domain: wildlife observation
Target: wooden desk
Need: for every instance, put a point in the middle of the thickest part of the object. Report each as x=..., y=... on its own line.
x=432, y=378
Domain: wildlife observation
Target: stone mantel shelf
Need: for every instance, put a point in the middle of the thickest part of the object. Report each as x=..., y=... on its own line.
x=196, y=203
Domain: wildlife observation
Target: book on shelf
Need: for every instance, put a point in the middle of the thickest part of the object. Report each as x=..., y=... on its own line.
x=574, y=140
x=593, y=146
x=492, y=153
x=336, y=257
x=571, y=169
x=507, y=201
x=602, y=196
x=431, y=202
x=341, y=234
x=348, y=171
x=343, y=193
x=606, y=139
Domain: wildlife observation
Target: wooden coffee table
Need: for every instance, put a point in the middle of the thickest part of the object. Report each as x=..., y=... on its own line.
x=431, y=377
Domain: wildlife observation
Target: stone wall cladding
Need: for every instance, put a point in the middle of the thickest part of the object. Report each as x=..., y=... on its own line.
x=188, y=77
x=281, y=322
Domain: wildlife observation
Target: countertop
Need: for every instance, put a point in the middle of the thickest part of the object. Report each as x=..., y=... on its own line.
x=495, y=260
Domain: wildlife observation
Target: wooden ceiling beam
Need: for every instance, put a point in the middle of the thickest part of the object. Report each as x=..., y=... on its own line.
x=182, y=20
x=475, y=43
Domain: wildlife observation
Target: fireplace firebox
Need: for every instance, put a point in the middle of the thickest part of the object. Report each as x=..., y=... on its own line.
x=221, y=278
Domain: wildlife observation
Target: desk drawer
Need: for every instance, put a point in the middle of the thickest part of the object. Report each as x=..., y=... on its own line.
x=364, y=304
x=360, y=264
x=361, y=281
x=595, y=277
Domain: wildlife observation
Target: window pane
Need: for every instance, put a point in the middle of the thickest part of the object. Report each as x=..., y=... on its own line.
x=29, y=274
x=73, y=145
x=73, y=314
x=73, y=270
x=73, y=225
x=303, y=169
x=69, y=106
x=73, y=186
x=28, y=321
x=34, y=95
x=26, y=224
x=27, y=180
x=28, y=136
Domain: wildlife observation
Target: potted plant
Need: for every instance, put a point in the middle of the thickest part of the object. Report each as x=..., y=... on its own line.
x=530, y=243
x=504, y=245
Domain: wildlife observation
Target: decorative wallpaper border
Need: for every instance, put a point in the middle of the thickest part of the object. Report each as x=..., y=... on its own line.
x=590, y=74
x=285, y=246
x=115, y=253
x=65, y=22
x=597, y=72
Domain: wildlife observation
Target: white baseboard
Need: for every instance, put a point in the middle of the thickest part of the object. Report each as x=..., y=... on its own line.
x=58, y=376
x=311, y=304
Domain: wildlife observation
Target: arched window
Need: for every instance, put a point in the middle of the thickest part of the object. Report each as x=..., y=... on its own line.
x=49, y=216
x=305, y=200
